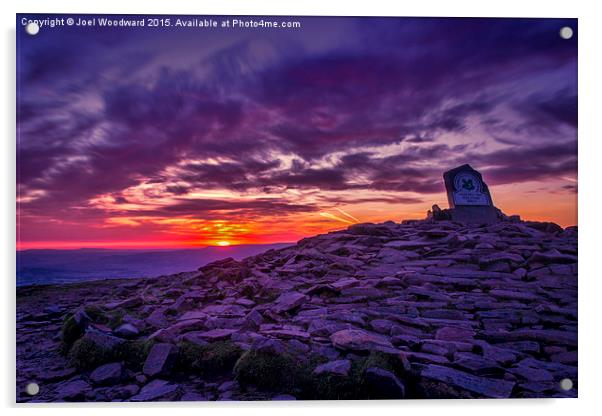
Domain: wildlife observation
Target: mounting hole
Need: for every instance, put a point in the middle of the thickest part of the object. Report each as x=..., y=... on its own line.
x=32, y=389
x=566, y=384
x=566, y=32
x=32, y=28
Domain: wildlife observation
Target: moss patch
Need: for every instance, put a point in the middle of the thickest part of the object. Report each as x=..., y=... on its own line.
x=284, y=373
x=134, y=353
x=271, y=372
x=114, y=318
x=111, y=318
x=354, y=386
x=85, y=354
x=70, y=332
x=96, y=313
x=385, y=361
x=214, y=358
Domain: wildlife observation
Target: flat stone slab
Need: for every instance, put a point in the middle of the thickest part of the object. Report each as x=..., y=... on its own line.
x=454, y=334
x=546, y=336
x=511, y=294
x=359, y=340
x=486, y=387
x=408, y=245
x=160, y=359
x=157, y=390
x=107, y=374
x=344, y=284
x=103, y=341
x=216, y=334
x=192, y=315
x=338, y=367
x=127, y=331
x=288, y=301
x=72, y=390
x=288, y=334
x=225, y=310
x=132, y=302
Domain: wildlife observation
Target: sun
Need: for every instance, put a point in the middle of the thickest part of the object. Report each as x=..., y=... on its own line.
x=223, y=243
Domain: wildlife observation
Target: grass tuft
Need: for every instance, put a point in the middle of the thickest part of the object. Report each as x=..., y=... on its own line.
x=85, y=354
x=70, y=332
x=266, y=371
x=215, y=358
x=284, y=373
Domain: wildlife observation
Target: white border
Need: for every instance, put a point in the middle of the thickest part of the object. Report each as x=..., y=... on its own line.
x=590, y=137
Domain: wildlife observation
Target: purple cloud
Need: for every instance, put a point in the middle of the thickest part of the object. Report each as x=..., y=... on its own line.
x=386, y=105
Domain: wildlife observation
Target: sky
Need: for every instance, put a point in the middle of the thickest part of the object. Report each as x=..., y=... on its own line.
x=174, y=137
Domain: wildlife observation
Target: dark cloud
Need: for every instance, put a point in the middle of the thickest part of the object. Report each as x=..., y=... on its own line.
x=551, y=109
x=525, y=163
x=570, y=188
x=108, y=110
x=120, y=199
x=177, y=189
x=232, y=175
x=361, y=200
x=216, y=208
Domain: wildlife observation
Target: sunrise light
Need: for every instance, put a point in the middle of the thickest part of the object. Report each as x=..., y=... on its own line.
x=289, y=152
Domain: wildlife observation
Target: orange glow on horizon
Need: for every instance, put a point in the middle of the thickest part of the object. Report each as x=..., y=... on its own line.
x=532, y=201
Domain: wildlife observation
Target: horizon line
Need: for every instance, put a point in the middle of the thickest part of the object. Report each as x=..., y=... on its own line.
x=150, y=247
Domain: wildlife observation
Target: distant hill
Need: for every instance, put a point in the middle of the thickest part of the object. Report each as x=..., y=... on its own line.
x=64, y=266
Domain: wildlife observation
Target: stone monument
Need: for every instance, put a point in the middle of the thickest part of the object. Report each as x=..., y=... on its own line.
x=468, y=196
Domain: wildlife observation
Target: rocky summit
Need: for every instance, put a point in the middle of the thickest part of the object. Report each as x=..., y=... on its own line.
x=418, y=309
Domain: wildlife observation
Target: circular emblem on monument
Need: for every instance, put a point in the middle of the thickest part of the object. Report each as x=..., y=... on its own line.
x=467, y=182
